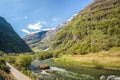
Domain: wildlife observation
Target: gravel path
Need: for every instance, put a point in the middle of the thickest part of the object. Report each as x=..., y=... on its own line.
x=17, y=74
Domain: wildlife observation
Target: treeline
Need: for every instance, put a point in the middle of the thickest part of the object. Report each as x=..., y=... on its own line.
x=43, y=55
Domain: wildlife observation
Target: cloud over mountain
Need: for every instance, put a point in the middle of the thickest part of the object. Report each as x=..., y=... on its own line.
x=36, y=26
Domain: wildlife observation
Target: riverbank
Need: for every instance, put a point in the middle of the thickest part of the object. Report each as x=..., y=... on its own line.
x=61, y=71
x=101, y=60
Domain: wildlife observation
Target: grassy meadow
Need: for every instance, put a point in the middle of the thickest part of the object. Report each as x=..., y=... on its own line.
x=104, y=59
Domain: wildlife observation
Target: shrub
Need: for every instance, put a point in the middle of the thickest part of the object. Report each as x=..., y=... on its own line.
x=23, y=60
x=44, y=55
x=3, y=66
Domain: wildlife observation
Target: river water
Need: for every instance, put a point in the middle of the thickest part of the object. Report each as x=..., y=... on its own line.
x=63, y=72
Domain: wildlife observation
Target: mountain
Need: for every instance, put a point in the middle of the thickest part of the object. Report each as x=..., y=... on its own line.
x=94, y=29
x=10, y=42
x=42, y=40
x=50, y=35
x=33, y=39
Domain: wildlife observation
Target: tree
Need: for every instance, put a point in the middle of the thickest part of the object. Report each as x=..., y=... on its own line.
x=23, y=60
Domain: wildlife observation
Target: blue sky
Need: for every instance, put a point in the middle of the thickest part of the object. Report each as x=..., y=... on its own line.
x=27, y=16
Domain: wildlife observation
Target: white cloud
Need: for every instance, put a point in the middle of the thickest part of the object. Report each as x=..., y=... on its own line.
x=34, y=32
x=55, y=19
x=25, y=17
x=48, y=29
x=36, y=26
x=26, y=31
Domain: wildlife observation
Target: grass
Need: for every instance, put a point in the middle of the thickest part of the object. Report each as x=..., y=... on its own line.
x=36, y=50
x=102, y=59
x=6, y=76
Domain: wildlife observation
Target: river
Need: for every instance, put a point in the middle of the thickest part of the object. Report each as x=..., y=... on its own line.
x=64, y=72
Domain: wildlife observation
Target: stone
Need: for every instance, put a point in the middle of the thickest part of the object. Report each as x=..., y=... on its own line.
x=103, y=77
x=117, y=78
x=44, y=66
x=111, y=77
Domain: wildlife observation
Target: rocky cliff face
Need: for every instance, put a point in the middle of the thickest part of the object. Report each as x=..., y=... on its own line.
x=10, y=42
x=33, y=39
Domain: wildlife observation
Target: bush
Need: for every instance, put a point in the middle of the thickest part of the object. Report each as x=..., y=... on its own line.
x=11, y=59
x=3, y=66
x=1, y=53
x=44, y=55
x=23, y=60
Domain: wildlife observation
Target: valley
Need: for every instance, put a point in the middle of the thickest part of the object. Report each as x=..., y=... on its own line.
x=84, y=47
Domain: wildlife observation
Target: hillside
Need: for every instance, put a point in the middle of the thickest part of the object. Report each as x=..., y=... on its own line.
x=94, y=29
x=34, y=39
x=50, y=35
x=10, y=42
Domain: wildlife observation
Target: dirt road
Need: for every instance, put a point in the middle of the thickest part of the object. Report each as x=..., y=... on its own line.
x=17, y=74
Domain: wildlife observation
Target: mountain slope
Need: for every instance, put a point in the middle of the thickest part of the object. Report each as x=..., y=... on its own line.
x=50, y=35
x=33, y=39
x=41, y=40
x=9, y=40
x=94, y=29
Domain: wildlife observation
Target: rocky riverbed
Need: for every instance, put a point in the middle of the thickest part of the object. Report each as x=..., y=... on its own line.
x=64, y=72
x=111, y=77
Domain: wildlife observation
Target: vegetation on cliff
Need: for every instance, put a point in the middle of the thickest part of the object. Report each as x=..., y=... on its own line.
x=94, y=29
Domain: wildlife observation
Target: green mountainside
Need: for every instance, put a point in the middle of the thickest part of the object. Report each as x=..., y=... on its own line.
x=94, y=29
x=10, y=42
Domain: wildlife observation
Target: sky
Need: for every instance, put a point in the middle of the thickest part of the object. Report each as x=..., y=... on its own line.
x=29, y=16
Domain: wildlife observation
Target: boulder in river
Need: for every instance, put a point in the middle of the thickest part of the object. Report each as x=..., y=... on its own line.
x=44, y=66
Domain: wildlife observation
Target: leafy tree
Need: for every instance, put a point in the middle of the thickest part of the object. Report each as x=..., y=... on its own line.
x=23, y=60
